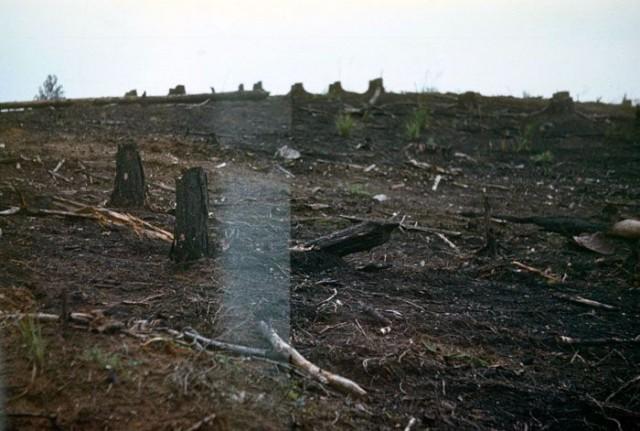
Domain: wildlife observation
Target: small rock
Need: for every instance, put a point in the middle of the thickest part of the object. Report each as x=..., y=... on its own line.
x=381, y=197
x=288, y=153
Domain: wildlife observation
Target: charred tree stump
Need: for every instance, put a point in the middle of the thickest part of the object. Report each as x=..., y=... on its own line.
x=129, y=187
x=561, y=104
x=191, y=238
x=298, y=92
x=335, y=90
x=178, y=90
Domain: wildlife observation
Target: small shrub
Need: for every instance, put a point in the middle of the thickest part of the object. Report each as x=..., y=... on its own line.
x=525, y=142
x=31, y=335
x=344, y=124
x=50, y=89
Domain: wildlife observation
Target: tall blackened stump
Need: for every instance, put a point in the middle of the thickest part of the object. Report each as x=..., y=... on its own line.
x=129, y=188
x=191, y=238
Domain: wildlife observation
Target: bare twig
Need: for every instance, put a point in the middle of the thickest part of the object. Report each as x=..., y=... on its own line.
x=333, y=295
x=196, y=426
x=551, y=277
x=584, y=301
x=208, y=342
x=622, y=388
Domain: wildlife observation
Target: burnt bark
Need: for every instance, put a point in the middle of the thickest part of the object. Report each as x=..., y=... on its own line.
x=327, y=251
x=129, y=187
x=191, y=238
x=361, y=237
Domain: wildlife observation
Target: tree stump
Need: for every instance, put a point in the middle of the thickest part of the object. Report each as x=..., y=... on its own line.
x=560, y=104
x=129, y=188
x=191, y=238
x=335, y=90
x=298, y=91
x=375, y=86
x=178, y=90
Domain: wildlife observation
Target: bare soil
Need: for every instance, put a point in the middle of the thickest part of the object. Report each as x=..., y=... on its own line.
x=474, y=340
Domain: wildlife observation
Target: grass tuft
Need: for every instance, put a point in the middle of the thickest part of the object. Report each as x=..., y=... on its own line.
x=417, y=123
x=344, y=124
x=31, y=334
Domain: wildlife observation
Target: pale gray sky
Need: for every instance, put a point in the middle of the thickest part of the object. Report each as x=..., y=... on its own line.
x=106, y=47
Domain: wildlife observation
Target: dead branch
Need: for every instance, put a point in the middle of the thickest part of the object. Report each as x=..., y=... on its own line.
x=437, y=169
x=196, y=426
x=597, y=341
x=415, y=227
x=293, y=356
x=636, y=379
x=551, y=277
x=103, y=216
x=584, y=301
x=44, y=317
x=208, y=342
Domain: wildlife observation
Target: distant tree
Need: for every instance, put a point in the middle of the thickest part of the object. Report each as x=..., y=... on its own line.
x=50, y=89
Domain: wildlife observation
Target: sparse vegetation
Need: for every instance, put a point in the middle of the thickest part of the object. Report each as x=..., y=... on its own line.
x=108, y=361
x=31, y=335
x=544, y=158
x=525, y=141
x=358, y=189
x=50, y=89
x=417, y=123
x=344, y=124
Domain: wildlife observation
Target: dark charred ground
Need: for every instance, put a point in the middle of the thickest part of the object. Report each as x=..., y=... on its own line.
x=473, y=341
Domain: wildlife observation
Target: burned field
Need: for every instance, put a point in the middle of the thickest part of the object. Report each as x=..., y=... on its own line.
x=472, y=308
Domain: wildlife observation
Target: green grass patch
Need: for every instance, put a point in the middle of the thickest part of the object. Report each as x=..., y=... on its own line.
x=344, y=125
x=31, y=335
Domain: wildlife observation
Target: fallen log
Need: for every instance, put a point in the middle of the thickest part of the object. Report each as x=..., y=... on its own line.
x=361, y=237
x=148, y=100
x=327, y=251
x=294, y=357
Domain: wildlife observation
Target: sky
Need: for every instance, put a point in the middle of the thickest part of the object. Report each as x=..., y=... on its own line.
x=495, y=47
